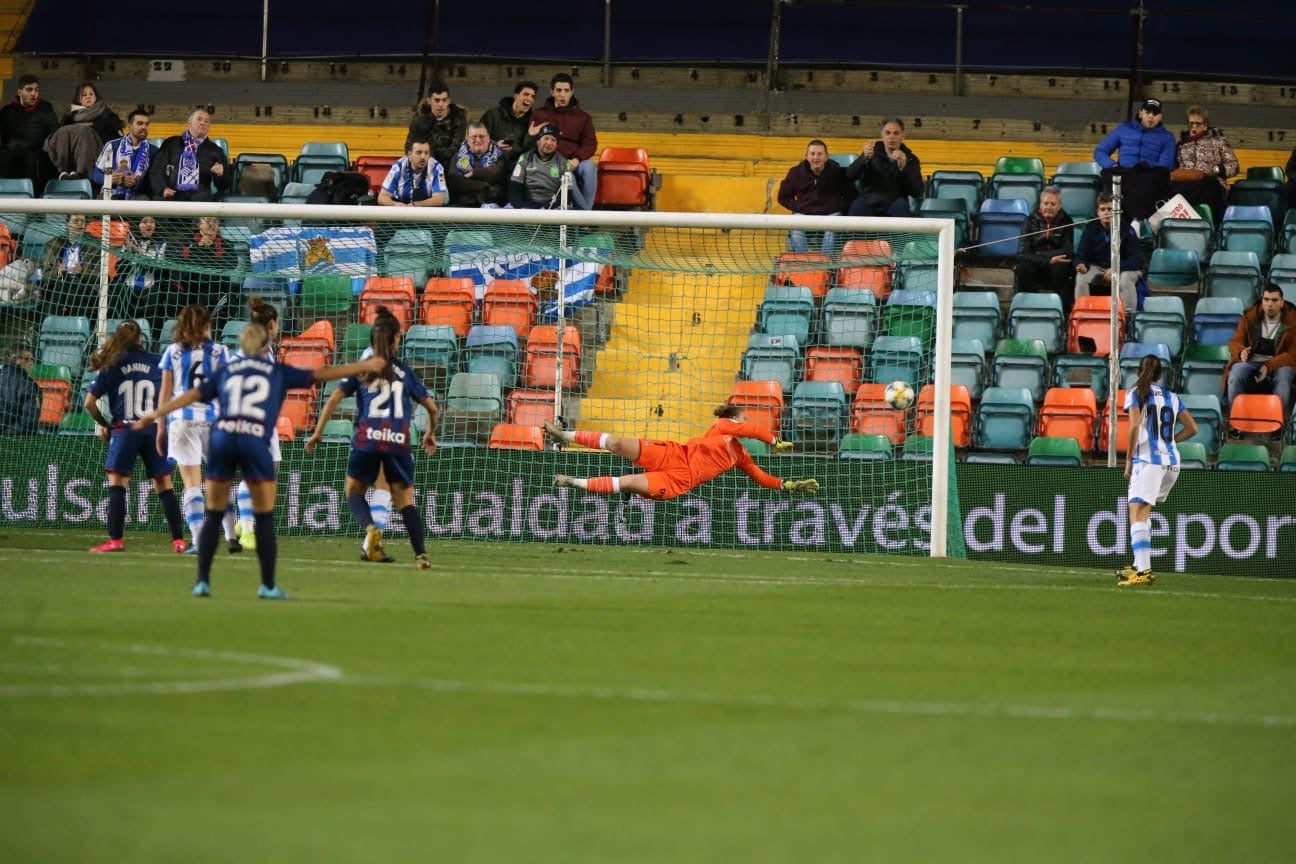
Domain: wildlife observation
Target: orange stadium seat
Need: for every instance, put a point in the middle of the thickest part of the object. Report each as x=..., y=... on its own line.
x=530, y=407
x=116, y=239
x=449, y=300
x=509, y=302
x=625, y=179
x=1069, y=412
x=797, y=268
x=304, y=353
x=375, y=169
x=827, y=363
x=868, y=277
x=1122, y=425
x=1256, y=414
x=394, y=292
x=513, y=436
x=762, y=400
x=320, y=333
x=299, y=408
x=871, y=251
x=960, y=413
x=56, y=398
x=871, y=414
x=1090, y=318
x=284, y=428
x=541, y=368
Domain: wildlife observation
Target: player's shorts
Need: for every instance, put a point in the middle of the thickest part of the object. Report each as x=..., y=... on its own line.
x=187, y=441
x=1151, y=484
x=126, y=444
x=230, y=451
x=398, y=468
x=667, y=464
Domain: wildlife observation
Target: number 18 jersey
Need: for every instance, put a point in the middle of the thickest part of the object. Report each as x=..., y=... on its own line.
x=1156, y=435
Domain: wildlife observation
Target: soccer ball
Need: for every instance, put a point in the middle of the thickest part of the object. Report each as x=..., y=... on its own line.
x=898, y=395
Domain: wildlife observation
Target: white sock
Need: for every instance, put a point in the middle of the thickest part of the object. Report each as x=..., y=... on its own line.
x=1141, y=543
x=228, y=523
x=380, y=508
x=246, y=516
x=193, y=510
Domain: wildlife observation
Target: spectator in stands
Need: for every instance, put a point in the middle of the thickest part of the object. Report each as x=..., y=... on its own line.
x=70, y=271
x=576, y=139
x=126, y=160
x=537, y=176
x=199, y=279
x=145, y=283
x=20, y=396
x=479, y=173
x=75, y=145
x=187, y=166
x=1203, y=164
x=1291, y=180
x=1147, y=154
x=1263, y=349
x=815, y=186
x=888, y=174
x=439, y=122
x=1044, y=251
x=25, y=123
x=509, y=122
x=1093, y=257
x=416, y=179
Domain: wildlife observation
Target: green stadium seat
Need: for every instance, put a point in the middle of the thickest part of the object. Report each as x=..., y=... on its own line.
x=1020, y=165
x=917, y=448
x=1021, y=363
x=77, y=423
x=355, y=339
x=339, y=431
x=1282, y=272
x=1192, y=454
x=323, y=296
x=1287, y=462
x=77, y=189
x=492, y=349
x=1237, y=456
x=1055, y=451
x=866, y=447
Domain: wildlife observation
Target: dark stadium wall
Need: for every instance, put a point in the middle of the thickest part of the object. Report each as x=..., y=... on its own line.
x=1184, y=38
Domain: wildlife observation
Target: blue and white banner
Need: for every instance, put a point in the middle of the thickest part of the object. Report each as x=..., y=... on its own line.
x=306, y=251
x=579, y=280
x=485, y=265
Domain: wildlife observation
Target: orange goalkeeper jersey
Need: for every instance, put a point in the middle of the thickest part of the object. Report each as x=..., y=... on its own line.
x=676, y=468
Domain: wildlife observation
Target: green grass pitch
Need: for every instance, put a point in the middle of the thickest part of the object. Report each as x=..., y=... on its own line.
x=550, y=704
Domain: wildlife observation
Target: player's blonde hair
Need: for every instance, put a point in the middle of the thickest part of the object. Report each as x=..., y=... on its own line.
x=127, y=337
x=253, y=340
x=193, y=325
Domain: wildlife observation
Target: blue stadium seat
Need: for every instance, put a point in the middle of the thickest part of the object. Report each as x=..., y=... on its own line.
x=1206, y=410
x=1215, y=319
x=1005, y=419
x=775, y=358
x=1038, y=316
x=1256, y=192
x=999, y=226
x=818, y=414
x=1233, y=274
x=967, y=365
x=787, y=310
x=492, y=349
x=1162, y=319
x=976, y=316
x=1194, y=234
x=848, y=318
x=1021, y=363
x=898, y=358
x=1132, y=353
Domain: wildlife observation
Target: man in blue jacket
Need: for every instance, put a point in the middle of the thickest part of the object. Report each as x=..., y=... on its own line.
x=1145, y=155
x=1093, y=258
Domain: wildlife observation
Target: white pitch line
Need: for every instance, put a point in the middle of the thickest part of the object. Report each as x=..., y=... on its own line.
x=849, y=706
x=298, y=672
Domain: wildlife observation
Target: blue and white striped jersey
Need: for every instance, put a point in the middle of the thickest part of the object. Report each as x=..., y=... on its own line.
x=188, y=367
x=407, y=187
x=1156, y=437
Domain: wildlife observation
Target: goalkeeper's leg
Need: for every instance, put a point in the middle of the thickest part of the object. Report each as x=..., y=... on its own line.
x=636, y=483
x=627, y=448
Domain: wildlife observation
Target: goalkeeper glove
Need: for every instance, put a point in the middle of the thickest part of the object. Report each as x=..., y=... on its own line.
x=781, y=446
x=811, y=485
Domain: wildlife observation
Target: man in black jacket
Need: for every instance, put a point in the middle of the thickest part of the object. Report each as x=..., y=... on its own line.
x=888, y=173
x=509, y=122
x=25, y=123
x=20, y=396
x=188, y=165
x=1044, y=251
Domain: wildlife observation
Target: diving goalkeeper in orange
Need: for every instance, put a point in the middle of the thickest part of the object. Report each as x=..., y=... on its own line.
x=674, y=468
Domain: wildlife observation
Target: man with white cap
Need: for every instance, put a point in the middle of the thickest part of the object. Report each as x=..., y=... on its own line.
x=1145, y=155
x=537, y=176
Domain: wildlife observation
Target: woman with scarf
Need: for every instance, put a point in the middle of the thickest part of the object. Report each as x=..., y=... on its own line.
x=1203, y=164
x=75, y=145
x=189, y=166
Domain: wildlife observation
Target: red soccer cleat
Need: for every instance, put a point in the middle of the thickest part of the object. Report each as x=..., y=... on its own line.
x=179, y=546
x=110, y=546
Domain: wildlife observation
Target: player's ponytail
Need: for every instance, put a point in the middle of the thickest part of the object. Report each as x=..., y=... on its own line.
x=382, y=340
x=193, y=326
x=261, y=312
x=728, y=411
x=1149, y=370
x=125, y=338
x=253, y=340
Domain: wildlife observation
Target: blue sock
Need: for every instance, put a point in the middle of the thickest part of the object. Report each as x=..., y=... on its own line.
x=206, y=541
x=267, y=547
x=360, y=510
x=193, y=508
x=414, y=525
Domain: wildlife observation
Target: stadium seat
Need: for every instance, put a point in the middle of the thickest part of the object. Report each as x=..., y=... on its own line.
x=473, y=406
x=1022, y=187
x=1132, y=354
x=1079, y=183
x=910, y=312
x=1082, y=370
x=1286, y=462
x=917, y=448
x=871, y=415
x=1202, y=369
x=295, y=192
x=1069, y=412
x=394, y=292
x=77, y=423
x=310, y=170
x=63, y=341
x=1064, y=452
x=1021, y=363
x=230, y=332
x=336, y=149
x=1187, y=234
x=1174, y=270
x=1282, y=272
x=775, y=358
x=898, y=358
x=1038, y=316
x=17, y=187
x=55, y=384
x=1091, y=319
x=626, y=180
x=829, y=363
x=817, y=415
x=966, y=185
x=1288, y=238
x=1192, y=455
x=375, y=169
x=809, y=269
x=542, y=355
x=451, y=301
x=305, y=353
x=78, y=189
x=509, y=302
x=1265, y=172
x=848, y=318
x=862, y=251
x=274, y=290
x=276, y=162
x=325, y=296
x=1005, y=419
x=1206, y=410
x=432, y=351
x=168, y=333
x=1256, y=414
x=1122, y=425
x=916, y=274
x=866, y=447
x=530, y=407
x=1233, y=274
x=355, y=339
x=976, y=316
x=1162, y=319
x=960, y=413
x=1248, y=229
x=298, y=411
x=146, y=331
x=1020, y=165
x=338, y=431
x=511, y=436
x=967, y=365
x=1238, y=456
x=876, y=279
x=948, y=208
x=1260, y=192
x=345, y=409
x=410, y=252
x=492, y=349
x=787, y=310
x=988, y=457
x=1215, y=319
x=999, y=226
x=762, y=400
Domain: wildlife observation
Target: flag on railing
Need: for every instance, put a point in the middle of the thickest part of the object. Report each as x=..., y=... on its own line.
x=296, y=252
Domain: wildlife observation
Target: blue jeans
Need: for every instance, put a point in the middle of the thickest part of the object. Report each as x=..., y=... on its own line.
x=798, y=242
x=1241, y=379
x=585, y=186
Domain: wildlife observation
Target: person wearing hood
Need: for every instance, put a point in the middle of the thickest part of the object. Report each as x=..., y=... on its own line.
x=1144, y=161
x=1203, y=163
x=576, y=139
x=25, y=123
x=509, y=122
x=75, y=145
x=439, y=122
